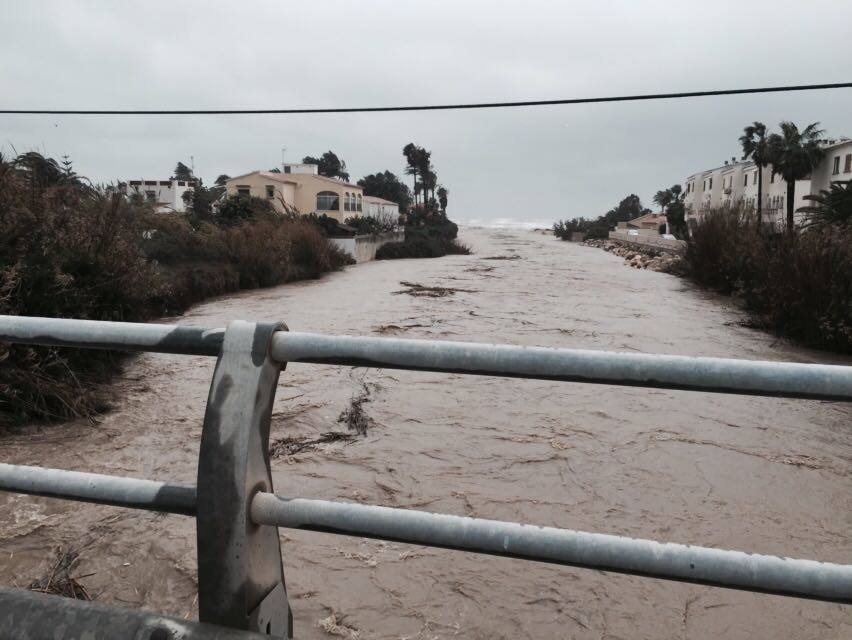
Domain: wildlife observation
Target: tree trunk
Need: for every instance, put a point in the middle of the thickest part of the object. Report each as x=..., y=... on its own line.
x=414, y=174
x=759, y=197
x=791, y=199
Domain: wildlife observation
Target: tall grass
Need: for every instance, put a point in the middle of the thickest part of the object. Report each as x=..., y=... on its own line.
x=70, y=250
x=796, y=284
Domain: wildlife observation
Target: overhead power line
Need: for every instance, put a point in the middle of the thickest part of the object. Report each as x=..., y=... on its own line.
x=428, y=107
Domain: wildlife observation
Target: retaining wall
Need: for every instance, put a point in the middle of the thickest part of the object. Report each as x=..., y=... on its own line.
x=363, y=248
x=649, y=242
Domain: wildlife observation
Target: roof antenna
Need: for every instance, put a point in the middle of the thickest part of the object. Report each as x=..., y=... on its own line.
x=283, y=162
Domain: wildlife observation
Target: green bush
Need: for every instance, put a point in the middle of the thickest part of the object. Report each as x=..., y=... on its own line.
x=434, y=239
x=372, y=225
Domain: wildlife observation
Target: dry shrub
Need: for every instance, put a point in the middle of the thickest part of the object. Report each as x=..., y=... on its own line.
x=66, y=250
x=798, y=284
x=71, y=251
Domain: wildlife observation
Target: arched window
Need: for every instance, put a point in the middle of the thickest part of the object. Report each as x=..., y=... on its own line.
x=328, y=201
x=359, y=201
x=346, y=205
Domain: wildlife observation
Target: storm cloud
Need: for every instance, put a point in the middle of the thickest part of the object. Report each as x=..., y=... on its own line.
x=533, y=164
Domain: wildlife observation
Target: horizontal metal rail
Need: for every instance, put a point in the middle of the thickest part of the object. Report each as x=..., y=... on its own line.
x=29, y=616
x=720, y=375
x=117, y=491
x=123, y=336
x=668, y=561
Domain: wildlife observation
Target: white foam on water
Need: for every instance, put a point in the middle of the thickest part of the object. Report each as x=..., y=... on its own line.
x=504, y=223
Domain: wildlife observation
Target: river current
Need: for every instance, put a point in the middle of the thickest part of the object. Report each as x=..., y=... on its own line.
x=765, y=475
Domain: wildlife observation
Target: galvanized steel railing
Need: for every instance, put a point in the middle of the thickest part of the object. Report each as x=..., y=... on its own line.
x=241, y=577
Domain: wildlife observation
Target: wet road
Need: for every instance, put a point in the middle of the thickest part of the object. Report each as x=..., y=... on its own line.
x=758, y=474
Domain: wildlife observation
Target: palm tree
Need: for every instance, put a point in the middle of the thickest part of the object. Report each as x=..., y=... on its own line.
x=443, y=192
x=663, y=198
x=430, y=182
x=793, y=154
x=832, y=207
x=756, y=146
x=411, y=156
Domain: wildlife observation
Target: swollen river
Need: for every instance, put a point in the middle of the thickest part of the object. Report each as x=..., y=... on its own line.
x=756, y=474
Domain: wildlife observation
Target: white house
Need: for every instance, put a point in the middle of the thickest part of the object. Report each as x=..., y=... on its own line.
x=165, y=195
x=380, y=208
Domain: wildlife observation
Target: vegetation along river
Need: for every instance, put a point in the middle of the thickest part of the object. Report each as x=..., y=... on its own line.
x=759, y=474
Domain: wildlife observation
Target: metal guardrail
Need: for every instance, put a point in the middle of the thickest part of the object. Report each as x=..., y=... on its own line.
x=241, y=577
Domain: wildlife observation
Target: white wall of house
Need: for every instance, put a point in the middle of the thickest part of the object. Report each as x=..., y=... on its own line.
x=378, y=207
x=290, y=167
x=166, y=195
x=837, y=166
x=363, y=248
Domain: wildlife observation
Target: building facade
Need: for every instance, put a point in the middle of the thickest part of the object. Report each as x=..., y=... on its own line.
x=380, y=208
x=736, y=182
x=167, y=196
x=300, y=189
x=836, y=167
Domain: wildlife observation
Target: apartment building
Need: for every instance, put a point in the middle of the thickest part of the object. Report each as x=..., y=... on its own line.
x=736, y=181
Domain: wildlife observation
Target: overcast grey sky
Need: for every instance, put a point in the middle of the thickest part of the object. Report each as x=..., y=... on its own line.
x=534, y=164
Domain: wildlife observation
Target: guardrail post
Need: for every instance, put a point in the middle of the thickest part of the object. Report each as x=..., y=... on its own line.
x=240, y=572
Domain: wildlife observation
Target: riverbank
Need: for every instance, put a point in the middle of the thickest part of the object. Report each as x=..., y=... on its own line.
x=796, y=286
x=640, y=258
x=766, y=475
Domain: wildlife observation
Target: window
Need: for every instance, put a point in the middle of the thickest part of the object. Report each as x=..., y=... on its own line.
x=150, y=183
x=836, y=169
x=847, y=167
x=135, y=183
x=165, y=183
x=270, y=192
x=287, y=169
x=328, y=201
x=151, y=196
x=704, y=186
x=711, y=183
x=181, y=183
x=359, y=201
x=772, y=177
x=745, y=179
x=346, y=201
x=244, y=191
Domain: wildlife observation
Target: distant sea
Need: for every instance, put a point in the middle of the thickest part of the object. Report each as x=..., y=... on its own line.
x=504, y=223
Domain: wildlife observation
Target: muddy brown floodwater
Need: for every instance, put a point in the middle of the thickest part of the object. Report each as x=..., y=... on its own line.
x=758, y=474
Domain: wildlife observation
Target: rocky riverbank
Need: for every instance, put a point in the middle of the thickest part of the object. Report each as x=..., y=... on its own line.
x=640, y=258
